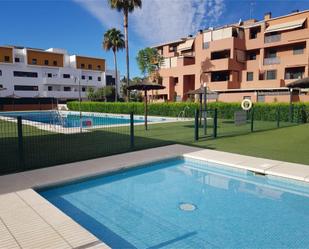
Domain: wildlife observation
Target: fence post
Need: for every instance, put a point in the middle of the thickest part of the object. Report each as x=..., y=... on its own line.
x=291, y=113
x=20, y=142
x=196, y=119
x=215, y=123
x=131, y=130
x=278, y=117
x=252, y=119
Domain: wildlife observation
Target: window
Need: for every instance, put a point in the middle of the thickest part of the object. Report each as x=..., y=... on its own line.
x=50, y=88
x=6, y=58
x=66, y=76
x=89, y=66
x=25, y=74
x=254, y=32
x=83, y=89
x=251, y=56
x=206, y=45
x=110, y=81
x=46, y=62
x=220, y=76
x=99, y=78
x=0, y=73
x=49, y=75
x=1, y=86
x=34, y=61
x=17, y=59
x=261, y=98
x=55, y=63
x=294, y=73
x=25, y=88
x=271, y=54
x=298, y=49
x=271, y=74
x=82, y=65
x=83, y=77
x=172, y=48
x=249, y=76
x=220, y=54
x=90, y=77
x=67, y=89
x=247, y=97
x=99, y=67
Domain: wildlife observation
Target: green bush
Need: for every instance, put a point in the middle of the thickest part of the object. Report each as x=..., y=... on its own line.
x=262, y=111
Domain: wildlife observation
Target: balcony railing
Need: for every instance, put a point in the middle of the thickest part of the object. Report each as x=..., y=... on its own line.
x=271, y=61
x=272, y=38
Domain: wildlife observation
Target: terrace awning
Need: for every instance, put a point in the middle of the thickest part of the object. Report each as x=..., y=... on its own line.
x=285, y=26
x=187, y=45
x=301, y=83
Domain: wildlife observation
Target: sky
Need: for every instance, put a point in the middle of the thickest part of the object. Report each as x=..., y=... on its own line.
x=79, y=25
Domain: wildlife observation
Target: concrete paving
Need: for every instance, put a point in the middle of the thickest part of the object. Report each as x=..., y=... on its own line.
x=73, y=171
x=293, y=171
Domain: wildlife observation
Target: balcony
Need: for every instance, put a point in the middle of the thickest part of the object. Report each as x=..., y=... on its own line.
x=272, y=38
x=271, y=61
x=63, y=94
x=185, y=61
x=59, y=81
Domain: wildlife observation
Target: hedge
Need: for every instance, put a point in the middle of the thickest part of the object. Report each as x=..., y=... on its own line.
x=262, y=111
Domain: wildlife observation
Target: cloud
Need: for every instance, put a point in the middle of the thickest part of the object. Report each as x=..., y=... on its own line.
x=161, y=20
x=101, y=11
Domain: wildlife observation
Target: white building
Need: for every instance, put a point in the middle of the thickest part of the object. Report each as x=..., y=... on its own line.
x=28, y=72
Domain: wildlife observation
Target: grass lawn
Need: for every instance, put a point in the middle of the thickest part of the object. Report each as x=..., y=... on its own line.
x=42, y=149
x=289, y=144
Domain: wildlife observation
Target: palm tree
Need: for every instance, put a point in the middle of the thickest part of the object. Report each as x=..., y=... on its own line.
x=126, y=6
x=113, y=40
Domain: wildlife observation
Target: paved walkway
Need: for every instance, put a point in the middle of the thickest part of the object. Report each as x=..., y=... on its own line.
x=27, y=220
x=73, y=171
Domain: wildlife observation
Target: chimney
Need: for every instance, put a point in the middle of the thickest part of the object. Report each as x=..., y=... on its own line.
x=201, y=31
x=267, y=16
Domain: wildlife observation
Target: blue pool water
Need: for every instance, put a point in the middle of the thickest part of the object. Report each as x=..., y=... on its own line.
x=226, y=208
x=73, y=120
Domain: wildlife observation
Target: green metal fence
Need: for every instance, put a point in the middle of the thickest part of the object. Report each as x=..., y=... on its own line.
x=26, y=144
x=248, y=122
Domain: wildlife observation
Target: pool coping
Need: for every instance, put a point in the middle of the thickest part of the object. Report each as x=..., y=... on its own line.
x=21, y=206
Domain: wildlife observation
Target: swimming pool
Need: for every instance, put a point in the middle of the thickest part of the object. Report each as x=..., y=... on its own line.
x=185, y=203
x=72, y=119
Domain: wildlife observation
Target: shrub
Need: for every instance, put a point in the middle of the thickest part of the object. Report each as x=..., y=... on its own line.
x=262, y=111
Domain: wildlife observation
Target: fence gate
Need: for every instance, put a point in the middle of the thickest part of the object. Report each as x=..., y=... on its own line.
x=205, y=124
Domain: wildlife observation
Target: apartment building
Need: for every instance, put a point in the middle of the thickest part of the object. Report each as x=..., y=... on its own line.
x=250, y=59
x=29, y=72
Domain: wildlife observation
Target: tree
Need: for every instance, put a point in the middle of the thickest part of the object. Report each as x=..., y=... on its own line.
x=106, y=93
x=148, y=61
x=113, y=40
x=91, y=94
x=126, y=7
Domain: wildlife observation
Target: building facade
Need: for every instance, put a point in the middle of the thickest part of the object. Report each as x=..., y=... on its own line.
x=251, y=59
x=28, y=72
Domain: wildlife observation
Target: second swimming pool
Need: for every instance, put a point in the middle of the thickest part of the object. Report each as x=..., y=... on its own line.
x=184, y=203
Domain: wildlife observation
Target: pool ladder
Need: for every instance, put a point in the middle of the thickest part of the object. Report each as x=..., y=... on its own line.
x=182, y=114
x=58, y=118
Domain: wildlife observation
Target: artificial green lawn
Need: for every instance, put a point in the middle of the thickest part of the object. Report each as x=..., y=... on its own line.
x=42, y=149
x=289, y=144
